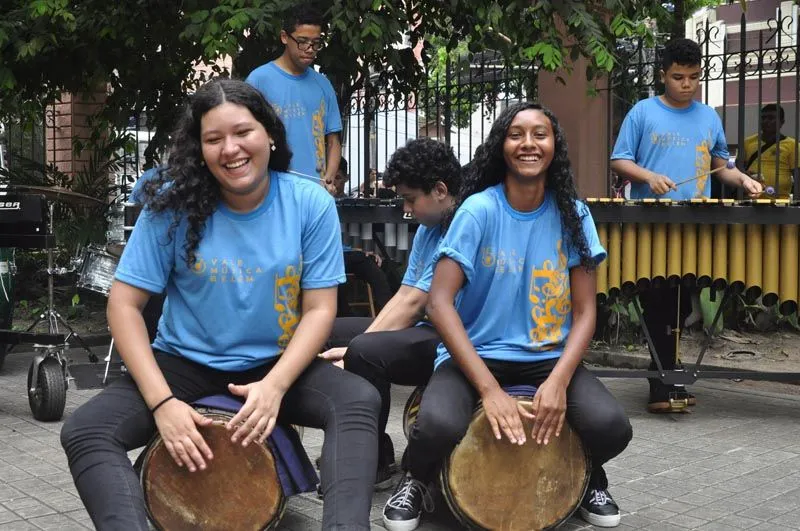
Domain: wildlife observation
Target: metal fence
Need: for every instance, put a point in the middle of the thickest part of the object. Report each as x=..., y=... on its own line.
x=456, y=106
x=21, y=142
x=745, y=66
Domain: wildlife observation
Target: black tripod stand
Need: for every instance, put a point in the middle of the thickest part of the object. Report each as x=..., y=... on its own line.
x=50, y=314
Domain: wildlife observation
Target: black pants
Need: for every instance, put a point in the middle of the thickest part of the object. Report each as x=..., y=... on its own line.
x=449, y=401
x=660, y=309
x=401, y=357
x=365, y=268
x=98, y=435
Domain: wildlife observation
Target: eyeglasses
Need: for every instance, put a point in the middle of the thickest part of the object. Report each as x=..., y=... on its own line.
x=305, y=44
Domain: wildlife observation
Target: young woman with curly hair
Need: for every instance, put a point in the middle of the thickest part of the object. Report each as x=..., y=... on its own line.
x=250, y=266
x=513, y=299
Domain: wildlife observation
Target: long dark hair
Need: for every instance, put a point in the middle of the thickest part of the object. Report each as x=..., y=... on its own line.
x=488, y=168
x=186, y=186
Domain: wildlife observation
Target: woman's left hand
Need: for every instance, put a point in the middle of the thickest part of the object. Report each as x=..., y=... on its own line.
x=549, y=410
x=259, y=414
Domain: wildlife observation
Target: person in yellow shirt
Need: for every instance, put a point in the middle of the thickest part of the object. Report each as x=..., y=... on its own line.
x=778, y=153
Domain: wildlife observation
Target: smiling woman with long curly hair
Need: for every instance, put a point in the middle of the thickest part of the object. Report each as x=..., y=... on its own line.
x=488, y=168
x=250, y=262
x=513, y=299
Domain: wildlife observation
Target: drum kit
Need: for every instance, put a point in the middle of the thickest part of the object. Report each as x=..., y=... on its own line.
x=27, y=222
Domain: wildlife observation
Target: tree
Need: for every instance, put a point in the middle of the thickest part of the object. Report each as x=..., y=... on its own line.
x=146, y=51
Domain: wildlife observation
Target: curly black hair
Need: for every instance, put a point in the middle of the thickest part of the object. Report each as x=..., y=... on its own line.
x=302, y=14
x=488, y=168
x=186, y=187
x=421, y=163
x=684, y=52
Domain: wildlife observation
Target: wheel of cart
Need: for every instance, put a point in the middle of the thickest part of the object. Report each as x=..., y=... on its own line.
x=47, y=383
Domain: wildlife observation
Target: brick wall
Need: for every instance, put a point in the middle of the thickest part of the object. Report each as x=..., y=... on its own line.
x=65, y=120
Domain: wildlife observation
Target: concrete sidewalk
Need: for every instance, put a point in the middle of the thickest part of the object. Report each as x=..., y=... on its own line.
x=734, y=463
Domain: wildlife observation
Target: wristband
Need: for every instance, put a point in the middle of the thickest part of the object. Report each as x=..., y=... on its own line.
x=170, y=397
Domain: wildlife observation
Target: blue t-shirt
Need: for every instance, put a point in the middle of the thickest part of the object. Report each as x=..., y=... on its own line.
x=678, y=143
x=239, y=305
x=516, y=303
x=137, y=194
x=306, y=104
x=419, y=272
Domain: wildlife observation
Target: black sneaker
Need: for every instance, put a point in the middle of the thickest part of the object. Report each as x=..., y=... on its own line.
x=598, y=508
x=403, y=510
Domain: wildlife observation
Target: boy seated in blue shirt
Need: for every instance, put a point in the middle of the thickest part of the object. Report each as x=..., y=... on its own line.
x=398, y=346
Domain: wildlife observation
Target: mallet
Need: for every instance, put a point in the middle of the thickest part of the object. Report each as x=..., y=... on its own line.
x=730, y=165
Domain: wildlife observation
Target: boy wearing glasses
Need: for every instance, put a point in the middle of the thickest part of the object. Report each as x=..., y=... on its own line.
x=303, y=98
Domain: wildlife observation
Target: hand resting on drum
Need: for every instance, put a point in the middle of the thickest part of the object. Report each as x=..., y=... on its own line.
x=259, y=414
x=504, y=415
x=177, y=424
x=549, y=410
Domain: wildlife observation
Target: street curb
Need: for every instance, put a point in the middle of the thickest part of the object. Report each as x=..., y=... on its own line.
x=616, y=359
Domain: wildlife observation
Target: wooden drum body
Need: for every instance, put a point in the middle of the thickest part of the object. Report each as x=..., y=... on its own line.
x=491, y=484
x=240, y=489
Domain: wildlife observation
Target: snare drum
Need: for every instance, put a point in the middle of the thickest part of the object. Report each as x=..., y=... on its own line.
x=97, y=271
x=240, y=489
x=491, y=484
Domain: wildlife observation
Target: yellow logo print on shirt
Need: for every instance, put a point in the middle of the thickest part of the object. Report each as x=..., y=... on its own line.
x=487, y=257
x=287, y=299
x=702, y=165
x=199, y=265
x=551, y=301
x=318, y=130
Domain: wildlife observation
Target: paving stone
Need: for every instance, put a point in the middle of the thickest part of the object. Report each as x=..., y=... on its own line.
x=720, y=468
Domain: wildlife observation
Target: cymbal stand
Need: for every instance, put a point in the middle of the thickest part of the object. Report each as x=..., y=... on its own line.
x=50, y=314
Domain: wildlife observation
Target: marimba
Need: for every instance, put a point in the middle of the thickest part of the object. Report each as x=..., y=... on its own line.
x=363, y=219
x=740, y=247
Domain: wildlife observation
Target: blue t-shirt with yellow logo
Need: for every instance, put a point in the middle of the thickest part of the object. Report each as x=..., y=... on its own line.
x=678, y=143
x=306, y=104
x=239, y=305
x=516, y=303
x=419, y=272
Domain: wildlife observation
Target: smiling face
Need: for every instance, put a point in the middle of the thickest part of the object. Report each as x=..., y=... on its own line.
x=529, y=145
x=236, y=149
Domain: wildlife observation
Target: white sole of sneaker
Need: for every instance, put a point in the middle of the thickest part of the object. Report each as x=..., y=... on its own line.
x=401, y=525
x=600, y=520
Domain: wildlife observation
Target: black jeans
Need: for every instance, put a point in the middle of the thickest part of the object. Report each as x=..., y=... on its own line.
x=402, y=357
x=97, y=437
x=449, y=401
x=660, y=307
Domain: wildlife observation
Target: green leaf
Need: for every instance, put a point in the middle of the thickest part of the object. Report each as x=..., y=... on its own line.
x=76, y=299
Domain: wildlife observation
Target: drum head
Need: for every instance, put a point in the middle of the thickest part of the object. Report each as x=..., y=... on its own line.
x=491, y=484
x=238, y=490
